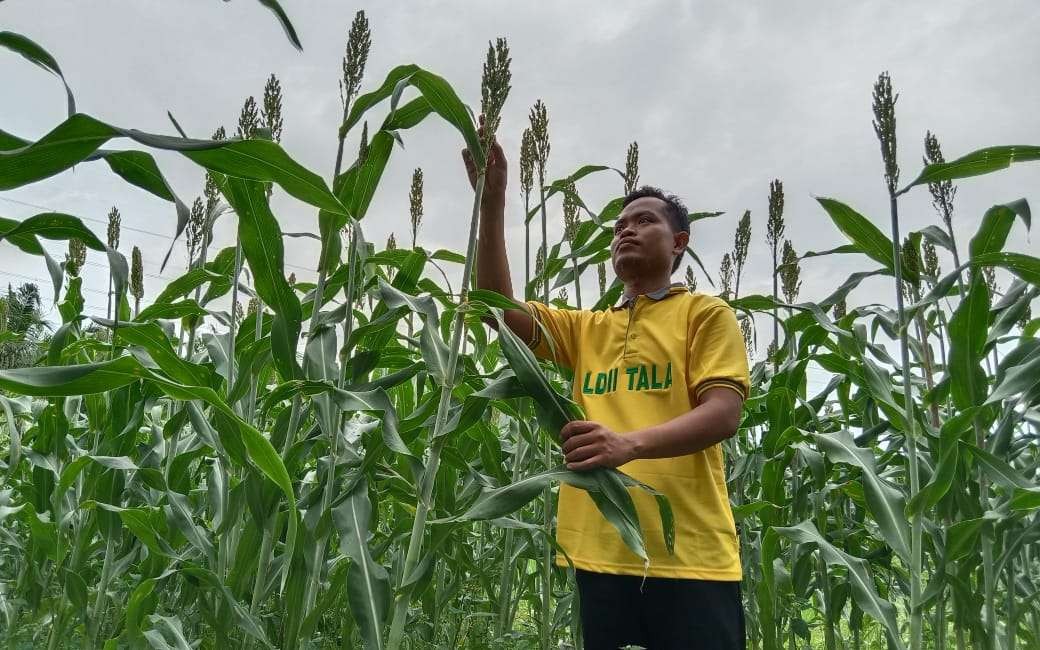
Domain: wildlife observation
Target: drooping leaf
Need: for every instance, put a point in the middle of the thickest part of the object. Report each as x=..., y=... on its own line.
x=859, y=576
x=262, y=246
x=54, y=225
x=886, y=503
x=863, y=234
x=368, y=583
x=283, y=20
x=33, y=52
x=74, y=140
x=968, y=328
x=976, y=163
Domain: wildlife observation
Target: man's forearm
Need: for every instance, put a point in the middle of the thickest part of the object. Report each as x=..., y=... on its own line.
x=710, y=422
x=492, y=262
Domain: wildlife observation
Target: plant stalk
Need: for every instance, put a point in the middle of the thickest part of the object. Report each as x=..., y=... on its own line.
x=546, y=608
x=422, y=507
x=916, y=637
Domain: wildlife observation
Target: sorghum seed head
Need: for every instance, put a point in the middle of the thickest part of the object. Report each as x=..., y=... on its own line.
x=248, y=119
x=494, y=87
x=272, y=110
x=632, y=168
x=415, y=202
x=359, y=42
x=775, y=225
x=136, y=274
x=884, y=106
x=790, y=273
x=539, y=118
x=528, y=155
x=76, y=257
x=114, y=221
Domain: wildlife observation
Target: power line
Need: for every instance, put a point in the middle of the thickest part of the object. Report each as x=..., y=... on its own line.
x=131, y=228
x=46, y=282
x=101, y=221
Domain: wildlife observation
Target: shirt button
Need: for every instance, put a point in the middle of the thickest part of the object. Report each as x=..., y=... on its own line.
x=634, y=336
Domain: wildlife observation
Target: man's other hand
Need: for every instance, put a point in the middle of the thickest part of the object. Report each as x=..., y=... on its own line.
x=587, y=445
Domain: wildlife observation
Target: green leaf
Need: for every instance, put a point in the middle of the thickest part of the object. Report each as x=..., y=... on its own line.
x=886, y=503
x=508, y=499
x=57, y=226
x=74, y=140
x=184, y=285
x=368, y=100
x=1025, y=267
x=554, y=410
x=996, y=225
x=109, y=375
x=491, y=299
x=85, y=379
x=962, y=538
x=242, y=618
x=859, y=576
x=968, y=329
x=27, y=243
x=446, y=103
x=1025, y=499
x=283, y=20
x=76, y=590
x=998, y=470
x=946, y=467
x=976, y=163
x=262, y=246
x=170, y=310
x=1018, y=380
x=350, y=401
x=153, y=339
x=139, y=168
x=867, y=237
x=73, y=469
x=33, y=52
x=368, y=584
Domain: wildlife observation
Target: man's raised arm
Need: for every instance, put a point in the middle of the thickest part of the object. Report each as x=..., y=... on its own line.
x=492, y=259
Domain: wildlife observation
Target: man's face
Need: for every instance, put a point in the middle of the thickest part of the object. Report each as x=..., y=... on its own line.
x=644, y=243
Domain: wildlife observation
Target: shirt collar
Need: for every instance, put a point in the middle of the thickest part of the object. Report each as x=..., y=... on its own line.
x=661, y=293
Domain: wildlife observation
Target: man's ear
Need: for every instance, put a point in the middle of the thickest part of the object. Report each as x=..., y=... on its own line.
x=680, y=242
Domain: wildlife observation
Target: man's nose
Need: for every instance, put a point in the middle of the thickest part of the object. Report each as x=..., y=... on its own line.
x=625, y=231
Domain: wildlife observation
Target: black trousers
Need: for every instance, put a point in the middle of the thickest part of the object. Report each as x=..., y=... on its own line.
x=666, y=614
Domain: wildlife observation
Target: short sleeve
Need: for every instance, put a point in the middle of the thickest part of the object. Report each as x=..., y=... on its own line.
x=554, y=336
x=717, y=356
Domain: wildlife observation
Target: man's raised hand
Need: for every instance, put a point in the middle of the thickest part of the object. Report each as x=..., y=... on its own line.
x=496, y=176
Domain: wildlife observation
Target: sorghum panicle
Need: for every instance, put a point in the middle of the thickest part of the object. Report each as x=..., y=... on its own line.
x=494, y=87
x=790, y=273
x=884, y=106
x=415, y=202
x=632, y=167
x=114, y=221
x=359, y=42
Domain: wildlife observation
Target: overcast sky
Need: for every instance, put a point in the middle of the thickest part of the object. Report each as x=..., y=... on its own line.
x=722, y=97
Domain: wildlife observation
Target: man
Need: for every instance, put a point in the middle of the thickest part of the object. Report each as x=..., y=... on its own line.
x=661, y=377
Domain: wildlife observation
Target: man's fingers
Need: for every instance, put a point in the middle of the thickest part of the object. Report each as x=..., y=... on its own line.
x=575, y=427
x=590, y=463
x=581, y=453
x=575, y=441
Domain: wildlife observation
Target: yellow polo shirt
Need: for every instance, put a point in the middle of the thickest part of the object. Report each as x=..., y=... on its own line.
x=642, y=363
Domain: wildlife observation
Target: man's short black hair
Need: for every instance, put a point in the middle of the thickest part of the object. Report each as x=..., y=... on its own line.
x=678, y=215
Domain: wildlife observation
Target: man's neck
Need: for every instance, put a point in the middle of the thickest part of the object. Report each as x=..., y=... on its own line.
x=643, y=286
